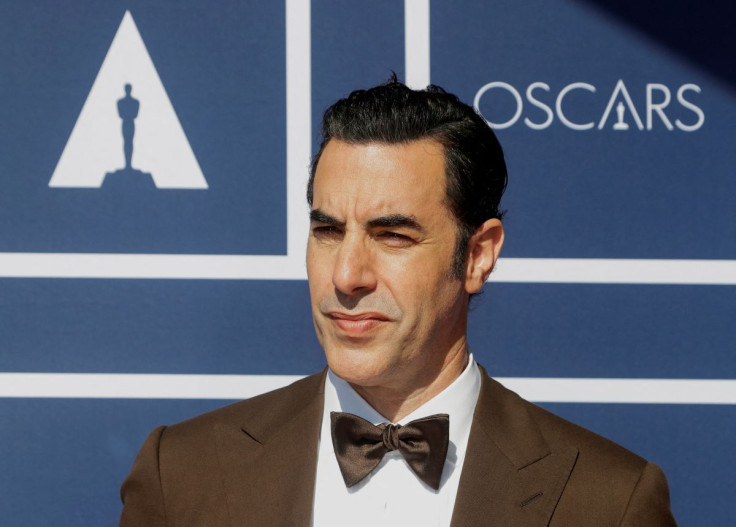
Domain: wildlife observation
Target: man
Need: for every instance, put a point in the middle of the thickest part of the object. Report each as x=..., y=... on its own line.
x=405, y=228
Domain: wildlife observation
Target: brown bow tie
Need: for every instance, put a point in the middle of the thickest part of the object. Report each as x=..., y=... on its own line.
x=360, y=445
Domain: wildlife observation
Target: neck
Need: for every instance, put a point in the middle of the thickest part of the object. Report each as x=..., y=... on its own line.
x=396, y=403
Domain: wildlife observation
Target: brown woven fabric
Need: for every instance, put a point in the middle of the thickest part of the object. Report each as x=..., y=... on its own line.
x=253, y=463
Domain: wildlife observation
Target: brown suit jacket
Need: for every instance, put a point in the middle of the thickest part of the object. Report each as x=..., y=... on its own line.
x=254, y=462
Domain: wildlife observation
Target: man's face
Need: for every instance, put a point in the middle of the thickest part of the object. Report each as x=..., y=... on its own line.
x=385, y=307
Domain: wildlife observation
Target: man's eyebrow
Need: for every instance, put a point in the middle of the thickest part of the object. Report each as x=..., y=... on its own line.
x=395, y=220
x=317, y=216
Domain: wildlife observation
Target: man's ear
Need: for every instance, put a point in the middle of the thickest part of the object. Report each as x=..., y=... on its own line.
x=484, y=248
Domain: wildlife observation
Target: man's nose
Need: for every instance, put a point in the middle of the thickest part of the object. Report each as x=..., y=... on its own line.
x=353, y=272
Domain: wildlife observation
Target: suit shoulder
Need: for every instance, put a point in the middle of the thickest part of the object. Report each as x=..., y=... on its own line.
x=614, y=484
x=560, y=431
x=181, y=470
x=269, y=406
x=607, y=484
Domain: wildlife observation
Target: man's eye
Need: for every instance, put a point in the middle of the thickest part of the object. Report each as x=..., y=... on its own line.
x=395, y=239
x=325, y=231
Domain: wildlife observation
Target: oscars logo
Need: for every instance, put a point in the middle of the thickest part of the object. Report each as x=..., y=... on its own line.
x=151, y=130
x=507, y=105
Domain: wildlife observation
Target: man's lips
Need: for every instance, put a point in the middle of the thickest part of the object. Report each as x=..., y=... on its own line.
x=357, y=324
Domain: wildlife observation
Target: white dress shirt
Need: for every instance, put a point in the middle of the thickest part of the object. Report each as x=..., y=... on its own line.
x=392, y=494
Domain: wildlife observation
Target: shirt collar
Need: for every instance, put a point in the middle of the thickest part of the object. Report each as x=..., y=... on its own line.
x=457, y=400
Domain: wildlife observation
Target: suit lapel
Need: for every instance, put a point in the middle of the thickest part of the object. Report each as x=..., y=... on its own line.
x=269, y=463
x=510, y=477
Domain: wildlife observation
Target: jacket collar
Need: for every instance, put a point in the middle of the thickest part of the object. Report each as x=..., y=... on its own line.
x=275, y=452
x=510, y=473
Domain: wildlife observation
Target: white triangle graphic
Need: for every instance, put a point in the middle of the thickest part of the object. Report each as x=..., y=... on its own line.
x=160, y=146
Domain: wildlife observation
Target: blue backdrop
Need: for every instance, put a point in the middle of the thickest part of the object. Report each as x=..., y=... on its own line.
x=617, y=119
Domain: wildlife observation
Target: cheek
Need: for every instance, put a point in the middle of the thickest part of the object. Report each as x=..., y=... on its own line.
x=441, y=298
x=318, y=274
x=424, y=291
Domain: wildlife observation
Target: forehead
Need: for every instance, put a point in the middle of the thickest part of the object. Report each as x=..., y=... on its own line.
x=376, y=178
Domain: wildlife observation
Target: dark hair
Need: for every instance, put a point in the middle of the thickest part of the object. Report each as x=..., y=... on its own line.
x=393, y=113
